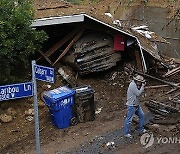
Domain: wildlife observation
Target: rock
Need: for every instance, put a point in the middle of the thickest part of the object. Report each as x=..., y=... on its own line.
x=41, y=104
x=29, y=118
x=110, y=145
x=156, y=126
x=29, y=112
x=11, y=111
x=6, y=118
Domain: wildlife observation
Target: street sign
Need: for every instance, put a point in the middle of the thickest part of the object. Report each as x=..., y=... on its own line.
x=44, y=73
x=14, y=91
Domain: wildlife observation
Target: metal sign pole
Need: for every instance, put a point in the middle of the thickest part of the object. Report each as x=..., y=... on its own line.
x=35, y=109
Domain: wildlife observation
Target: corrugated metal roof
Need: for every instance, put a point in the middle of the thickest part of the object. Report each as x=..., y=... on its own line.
x=57, y=20
x=71, y=19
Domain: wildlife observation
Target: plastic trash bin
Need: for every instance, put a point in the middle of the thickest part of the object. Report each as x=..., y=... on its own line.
x=84, y=103
x=60, y=102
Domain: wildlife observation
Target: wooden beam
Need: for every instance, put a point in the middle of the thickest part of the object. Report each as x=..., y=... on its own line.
x=62, y=42
x=47, y=59
x=157, y=86
x=172, y=72
x=78, y=35
x=138, y=60
x=160, y=80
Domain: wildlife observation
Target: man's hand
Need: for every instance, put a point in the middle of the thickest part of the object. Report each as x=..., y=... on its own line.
x=144, y=83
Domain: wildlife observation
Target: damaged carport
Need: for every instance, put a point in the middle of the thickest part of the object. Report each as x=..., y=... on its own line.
x=90, y=45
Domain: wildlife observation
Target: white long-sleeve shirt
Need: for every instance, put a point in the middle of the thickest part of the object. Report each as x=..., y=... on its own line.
x=133, y=94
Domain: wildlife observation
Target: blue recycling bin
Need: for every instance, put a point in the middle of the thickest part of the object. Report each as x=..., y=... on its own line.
x=60, y=102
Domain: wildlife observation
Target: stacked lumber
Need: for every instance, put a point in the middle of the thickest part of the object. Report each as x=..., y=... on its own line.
x=94, y=53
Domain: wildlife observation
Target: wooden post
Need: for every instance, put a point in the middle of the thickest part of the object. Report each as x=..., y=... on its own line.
x=138, y=60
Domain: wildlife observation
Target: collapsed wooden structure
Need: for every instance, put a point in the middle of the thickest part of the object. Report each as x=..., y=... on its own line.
x=91, y=45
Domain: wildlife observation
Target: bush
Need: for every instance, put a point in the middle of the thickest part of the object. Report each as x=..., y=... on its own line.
x=17, y=39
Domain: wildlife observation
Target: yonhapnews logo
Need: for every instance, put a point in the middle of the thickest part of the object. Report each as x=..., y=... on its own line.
x=148, y=139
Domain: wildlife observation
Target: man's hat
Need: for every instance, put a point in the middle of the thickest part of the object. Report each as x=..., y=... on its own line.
x=139, y=78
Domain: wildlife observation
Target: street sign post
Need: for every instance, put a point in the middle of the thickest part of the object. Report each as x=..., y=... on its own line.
x=27, y=89
x=44, y=73
x=36, y=119
x=15, y=91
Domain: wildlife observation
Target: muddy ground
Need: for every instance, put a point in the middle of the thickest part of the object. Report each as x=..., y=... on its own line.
x=110, y=93
x=110, y=88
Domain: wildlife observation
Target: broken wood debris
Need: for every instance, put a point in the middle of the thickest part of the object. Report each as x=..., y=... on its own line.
x=78, y=35
x=152, y=77
x=94, y=53
x=172, y=72
x=138, y=60
x=67, y=77
x=171, y=91
x=157, y=86
x=163, y=108
x=166, y=113
x=174, y=119
x=59, y=44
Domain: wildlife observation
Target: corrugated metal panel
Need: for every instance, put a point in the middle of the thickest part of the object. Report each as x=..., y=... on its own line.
x=57, y=20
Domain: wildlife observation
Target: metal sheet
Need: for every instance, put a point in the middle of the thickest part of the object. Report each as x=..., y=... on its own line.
x=57, y=20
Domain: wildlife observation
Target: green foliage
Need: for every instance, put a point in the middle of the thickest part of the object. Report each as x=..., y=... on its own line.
x=17, y=39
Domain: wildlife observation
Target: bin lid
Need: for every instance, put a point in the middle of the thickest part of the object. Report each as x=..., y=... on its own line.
x=59, y=93
x=83, y=89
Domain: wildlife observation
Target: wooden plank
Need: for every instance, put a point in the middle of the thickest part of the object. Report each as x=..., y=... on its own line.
x=47, y=59
x=138, y=61
x=78, y=35
x=157, y=86
x=172, y=72
x=62, y=42
x=172, y=90
x=163, y=81
x=67, y=78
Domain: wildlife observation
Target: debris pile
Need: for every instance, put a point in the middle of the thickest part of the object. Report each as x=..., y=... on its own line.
x=94, y=53
x=166, y=108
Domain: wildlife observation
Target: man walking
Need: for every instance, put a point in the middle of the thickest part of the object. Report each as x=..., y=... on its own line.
x=135, y=89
